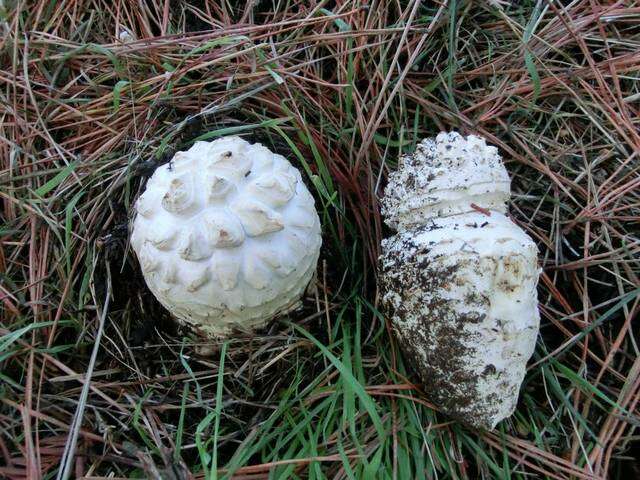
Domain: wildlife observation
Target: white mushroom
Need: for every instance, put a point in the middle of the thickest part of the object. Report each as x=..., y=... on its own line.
x=459, y=278
x=227, y=235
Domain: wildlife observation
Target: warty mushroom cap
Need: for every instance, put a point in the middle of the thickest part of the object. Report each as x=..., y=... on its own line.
x=444, y=177
x=227, y=235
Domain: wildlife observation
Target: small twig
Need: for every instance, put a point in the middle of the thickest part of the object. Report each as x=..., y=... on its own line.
x=485, y=211
x=70, y=447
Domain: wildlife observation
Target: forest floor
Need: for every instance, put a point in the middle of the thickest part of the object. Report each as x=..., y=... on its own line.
x=94, y=94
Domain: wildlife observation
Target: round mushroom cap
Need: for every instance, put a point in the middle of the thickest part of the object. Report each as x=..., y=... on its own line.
x=445, y=176
x=227, y=235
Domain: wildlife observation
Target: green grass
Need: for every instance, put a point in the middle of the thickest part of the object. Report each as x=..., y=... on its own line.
x=342, y=90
